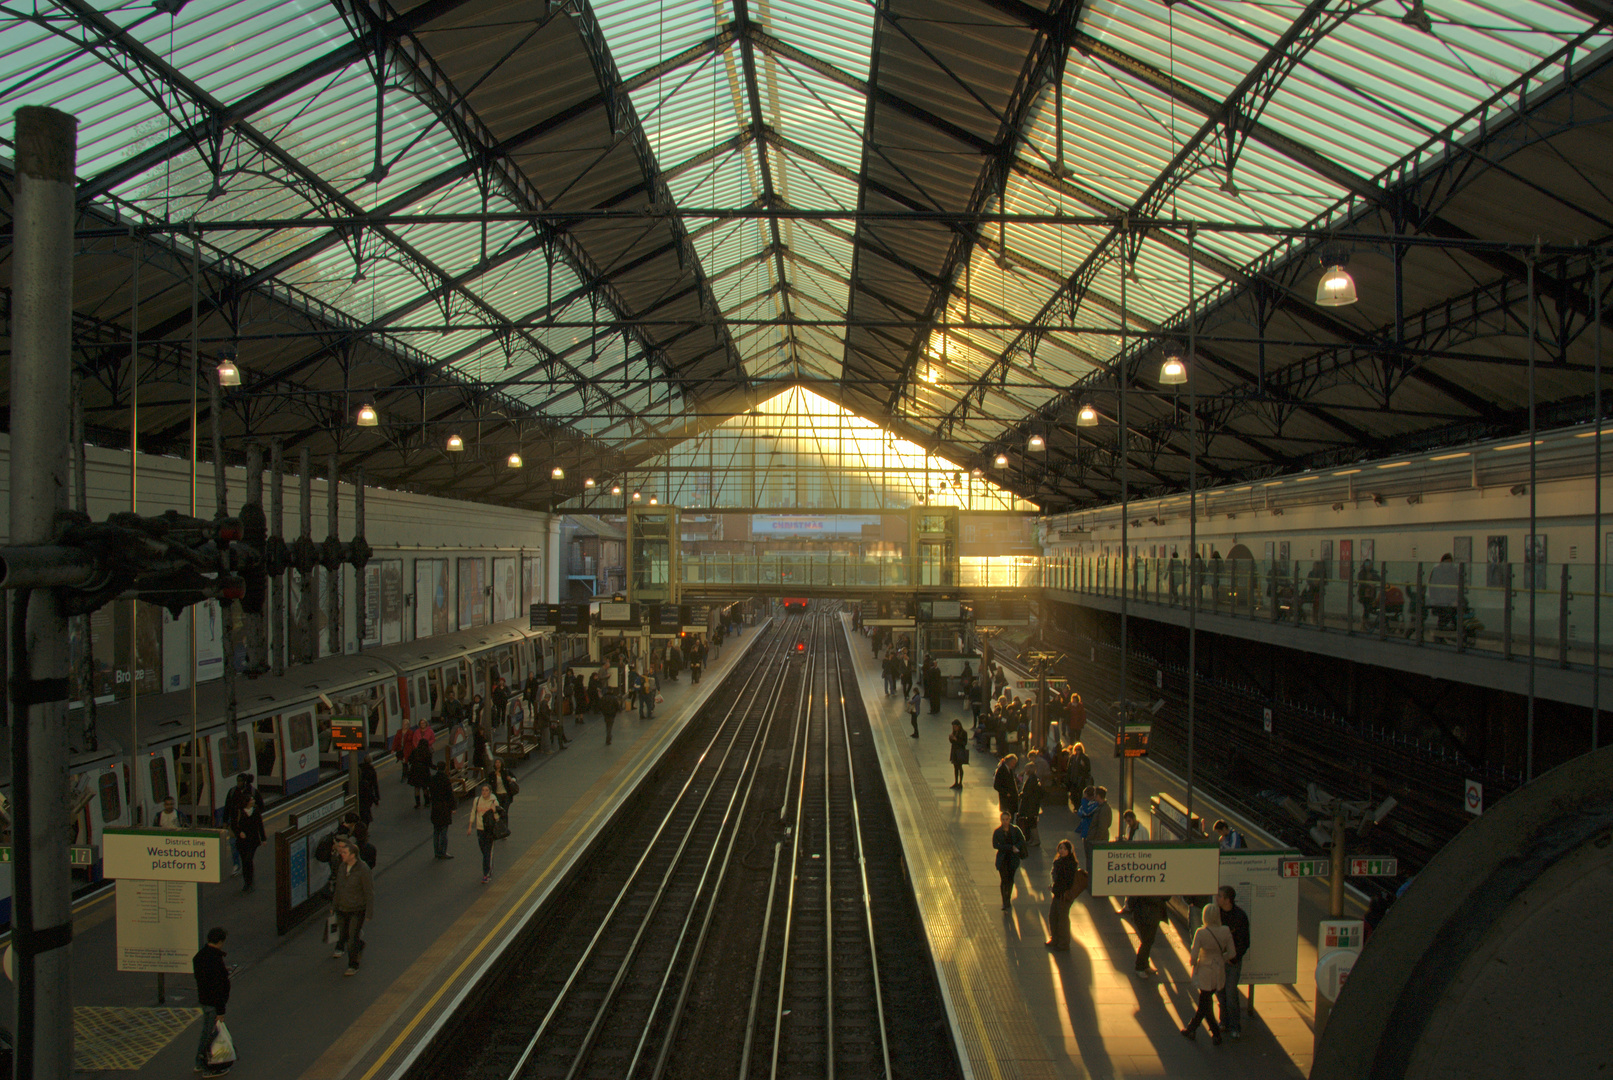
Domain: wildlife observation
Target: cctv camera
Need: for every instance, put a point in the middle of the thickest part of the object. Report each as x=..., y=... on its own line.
x=1295, y=811
x=1384, y=809
x=1156, y=706
x=1322, y=835
x=1317, y=797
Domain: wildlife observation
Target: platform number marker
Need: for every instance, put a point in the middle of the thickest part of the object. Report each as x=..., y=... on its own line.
x=1473, y=798
x=1266, y=719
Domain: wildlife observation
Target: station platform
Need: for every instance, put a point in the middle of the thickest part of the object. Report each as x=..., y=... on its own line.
x=1020, y=1011
x=436, y=929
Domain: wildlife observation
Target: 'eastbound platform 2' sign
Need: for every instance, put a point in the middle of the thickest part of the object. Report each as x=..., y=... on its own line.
x=1156, y=869
x=147, y=855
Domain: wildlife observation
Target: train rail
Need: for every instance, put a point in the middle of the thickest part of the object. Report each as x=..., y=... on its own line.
x=726, y=926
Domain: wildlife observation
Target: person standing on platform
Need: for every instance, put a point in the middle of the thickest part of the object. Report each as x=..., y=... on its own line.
x=906, y=672
x=1230, y=839
x=440, y=794
x=1444, y=582
x=1212, y=948
x=212, y=994
x=168, y=817
x=369, y=790
x=1132, y=831
x=1103, y=817
x=1030, y=803
x=1078, y=775
x=1147, y=912
x=1066, y=886
x=419, y=768
x=1009, y=843
x=501, y=782
x=1236, y=920
x=353, y=902
x=244, y=812
x=932, y=684
x=959, y=753
x=609, y=706
x=1004, y=784
x=913, y=711
x=483, y=817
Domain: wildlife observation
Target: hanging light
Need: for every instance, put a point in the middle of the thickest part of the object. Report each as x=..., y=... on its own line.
x=1036, y=442
x=637, y=496
x=616, y=489
x=1001, y=461
x=654, y=501
x=977, y=472
x=1337, y=287
x=557, y=473
x=367, y=416
x=514, y=461
x=588, y=481
x=1173, y=372
x=455, y=443
x=228, y=373
x=1087, y=417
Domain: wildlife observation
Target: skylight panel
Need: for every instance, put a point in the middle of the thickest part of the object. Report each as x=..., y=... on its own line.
x=641, y=35
x=689, y=110
x=839, y=31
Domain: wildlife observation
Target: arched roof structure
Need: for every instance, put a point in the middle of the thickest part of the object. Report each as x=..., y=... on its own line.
x=592, y=229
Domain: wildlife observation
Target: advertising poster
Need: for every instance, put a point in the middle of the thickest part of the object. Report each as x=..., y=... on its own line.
x=472, y=592
x=372, y=604
x=209, y=641
x=1346, y=559
x=391, y=601
x=1462, y=548
x=531, y=581
x=425, y=588
x=504, y=582
x=1495, y=557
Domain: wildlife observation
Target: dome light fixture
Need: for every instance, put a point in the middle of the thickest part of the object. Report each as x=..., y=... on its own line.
x=616, y=489
x=228, y=373
x=515, y=461
x=1087, y=417
x=1036, y=442
x=637, y=496
x=1173, y=372
x=1337, y=287
x=367, y=416
x=1001, y=461
x=557, y=473
x=588, y=481
x=977, y=472
x=455, y=443
x=654, y=501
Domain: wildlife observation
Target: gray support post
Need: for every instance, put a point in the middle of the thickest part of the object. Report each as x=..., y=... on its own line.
x=1562, y=624
x=1422, y=604
x=360, y=593
x=1383, y=600
x=86, y=665
x=1461, y=607
x=257, y=640
x=277, y=531
x=308, y=589
x=226, y=608
x=41, y=359
x=333, y=594
x=1349, y=600
x=1506, y=611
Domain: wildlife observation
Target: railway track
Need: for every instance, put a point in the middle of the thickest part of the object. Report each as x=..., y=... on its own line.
x=726, y=924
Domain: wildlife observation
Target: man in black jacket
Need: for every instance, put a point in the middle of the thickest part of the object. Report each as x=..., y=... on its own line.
x=1234, y=918
x=213, y=994
x=441, y=796
x=243, y=809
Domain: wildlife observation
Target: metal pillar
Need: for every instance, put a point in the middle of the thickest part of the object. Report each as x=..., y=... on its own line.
x=1192, y=519
x=308, y=591
x=257, y=640
x=360, y=593
x=1335, y=885
x=221, y=494
x=41, y=360
x=85, y=675
x=333, y=580
x=277, y=531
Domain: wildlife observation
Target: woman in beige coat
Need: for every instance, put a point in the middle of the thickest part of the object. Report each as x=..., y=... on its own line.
x=1212, y=951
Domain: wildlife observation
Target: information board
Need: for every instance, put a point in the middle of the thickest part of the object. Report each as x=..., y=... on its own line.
x=1155, y=869
x=181, y=855
x=347, y=733
x=1271, y=900
x=618, y=614
x=569, y=617
x=159, y=925
x=1298, y=868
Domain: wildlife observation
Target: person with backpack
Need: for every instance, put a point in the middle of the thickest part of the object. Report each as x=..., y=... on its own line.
x=1077, y=775
x=484, y=823
x=1084, y=814
x=1229, y=838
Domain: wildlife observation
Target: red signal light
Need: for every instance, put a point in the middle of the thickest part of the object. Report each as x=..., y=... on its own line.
x=800, y=646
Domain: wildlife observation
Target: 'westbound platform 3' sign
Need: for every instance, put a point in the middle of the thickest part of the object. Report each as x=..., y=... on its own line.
x=148, y=855
x=1156, y=869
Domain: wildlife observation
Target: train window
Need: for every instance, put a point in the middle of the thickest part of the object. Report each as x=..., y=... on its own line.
x=111, y=793
x=392, y=700
x=159, y=778
x=234, y=755
x=300, y=729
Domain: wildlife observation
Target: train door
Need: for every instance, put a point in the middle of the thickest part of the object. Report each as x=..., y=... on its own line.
x=268, y=754
x=298, y=737
x=97, y=802
x=433, y=694
x=194, y=776
x=155, y=783
x=230, y=756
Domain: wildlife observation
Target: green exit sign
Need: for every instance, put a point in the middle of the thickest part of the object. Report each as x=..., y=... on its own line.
x=1307, y=868
x=77, y=856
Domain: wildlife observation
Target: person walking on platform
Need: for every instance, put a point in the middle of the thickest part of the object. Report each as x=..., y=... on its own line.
x=1236, y=920
x=243, y=809
x=932, y=684
x=609, y=706
x=1066, y=886
x=1212, y=949
x=905, y=670
x=1005, y=786
x=959, y=753
x=353, y=902
x=1103, y=817
x=440, y=794
x=212, y=994
x=1030, y=803
x=483, y=818
x=419, y=769
x=503, y=785
x=1009, y=843
x=1147, y=912
x=1078, y=775
x=369, y=790
x=913, y=711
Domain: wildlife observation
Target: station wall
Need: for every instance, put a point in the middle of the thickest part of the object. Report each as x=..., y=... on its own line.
x=438, y=565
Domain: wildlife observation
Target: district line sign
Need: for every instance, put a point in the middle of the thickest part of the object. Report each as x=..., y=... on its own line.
x=180, y=855
x=1156, y=869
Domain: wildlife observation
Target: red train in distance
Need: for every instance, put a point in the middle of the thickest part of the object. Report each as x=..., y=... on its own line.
x=794, y=603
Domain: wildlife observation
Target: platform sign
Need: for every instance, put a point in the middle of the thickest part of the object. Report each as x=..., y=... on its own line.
x=76, y=856
x=1002, y=613
x=618, y=614
x=1054, y=682
x=1156, y=869
x=1298, y=868
x=1132, y=740
x=178, y=855
x=1271, y=899
x=1381, y=867
x=940, y=610
x=537, y=616
x=347, y=733
x=669, y=616
x=159, y=925
x=1473, y=797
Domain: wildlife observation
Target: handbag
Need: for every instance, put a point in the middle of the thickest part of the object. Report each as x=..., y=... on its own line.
x=222, y=1049
x=332, y=931
x=511, y=788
